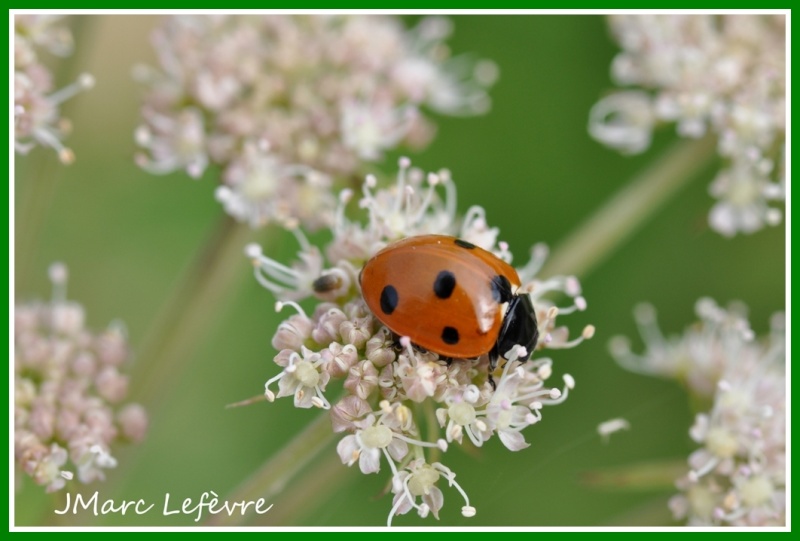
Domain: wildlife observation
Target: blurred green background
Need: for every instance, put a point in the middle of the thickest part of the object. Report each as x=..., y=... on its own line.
x=128, y=237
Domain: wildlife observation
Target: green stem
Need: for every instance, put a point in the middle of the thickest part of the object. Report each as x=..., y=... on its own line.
x=432, y=429
x=298, y=501
x=619, y=218
x=35, y=197
x=187, y=316
x=275, y=473
x=589, y=245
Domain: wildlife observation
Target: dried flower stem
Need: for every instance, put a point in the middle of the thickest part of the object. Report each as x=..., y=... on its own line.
x=619, y=218
x=188, y=314
x=595, y=240
x=275, y=473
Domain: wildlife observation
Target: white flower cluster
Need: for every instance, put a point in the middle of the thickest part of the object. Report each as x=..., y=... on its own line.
x=288, y=106
x=720, y=73
x=699, y=356
x=36, y=115
x=69, y=391
x=738, y=476
x=384, y=377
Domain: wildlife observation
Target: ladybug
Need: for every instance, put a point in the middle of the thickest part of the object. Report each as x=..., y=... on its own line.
x=450, y=297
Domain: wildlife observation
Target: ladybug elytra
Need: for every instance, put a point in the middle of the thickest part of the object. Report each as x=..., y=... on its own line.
x=450, y=297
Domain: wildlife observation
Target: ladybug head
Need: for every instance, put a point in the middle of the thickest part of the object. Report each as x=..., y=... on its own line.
x=519, y=327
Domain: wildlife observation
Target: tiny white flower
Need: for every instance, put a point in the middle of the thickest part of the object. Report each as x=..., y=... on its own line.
x=367, y=445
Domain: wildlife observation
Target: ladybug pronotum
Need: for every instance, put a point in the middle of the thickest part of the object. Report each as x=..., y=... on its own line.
x=450, y=297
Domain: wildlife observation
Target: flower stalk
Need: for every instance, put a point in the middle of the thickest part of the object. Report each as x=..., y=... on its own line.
x=271, y=478
x=186, y=316
x=621, y=216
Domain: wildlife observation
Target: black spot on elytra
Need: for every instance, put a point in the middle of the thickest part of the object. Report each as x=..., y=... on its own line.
x=501, y=289
x=444, y=284
x=450, y=335
x=389, y=299
x=464, y=244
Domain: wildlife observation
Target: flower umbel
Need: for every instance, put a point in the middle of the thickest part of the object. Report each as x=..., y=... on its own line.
x=291, y=106
x=699, y=356
x=36, y=115
x=738, y=476
x=387, y=379
x=723, y=74
x=69, y=392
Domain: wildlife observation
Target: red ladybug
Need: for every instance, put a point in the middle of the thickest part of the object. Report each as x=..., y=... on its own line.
x=449, y=297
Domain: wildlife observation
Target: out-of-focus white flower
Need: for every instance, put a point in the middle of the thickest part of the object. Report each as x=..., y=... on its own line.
x=68, y=391
x=37, y=119
x=606, y=428
x=720, y=73
x=623, y=121
x=289, y=106
x=699, y=356
x=738, y=476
